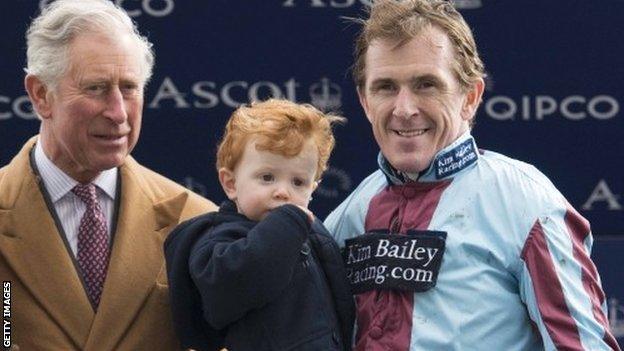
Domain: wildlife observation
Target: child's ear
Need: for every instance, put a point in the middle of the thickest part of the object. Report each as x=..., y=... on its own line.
x=228, y=183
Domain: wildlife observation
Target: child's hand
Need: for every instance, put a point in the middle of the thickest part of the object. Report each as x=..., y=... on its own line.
x=308, y=212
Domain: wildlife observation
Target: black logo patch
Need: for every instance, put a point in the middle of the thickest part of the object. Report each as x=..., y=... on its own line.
x=394, y=261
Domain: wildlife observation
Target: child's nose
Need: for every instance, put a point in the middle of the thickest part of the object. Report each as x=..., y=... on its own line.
x=281, y=192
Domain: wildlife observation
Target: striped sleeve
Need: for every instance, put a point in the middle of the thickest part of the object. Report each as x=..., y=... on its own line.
x=561, y=286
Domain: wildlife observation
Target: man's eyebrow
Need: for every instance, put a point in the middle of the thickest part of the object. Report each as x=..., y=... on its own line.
x=130, y=81
x=93, y=80
x=378, y=81
x=427, y=77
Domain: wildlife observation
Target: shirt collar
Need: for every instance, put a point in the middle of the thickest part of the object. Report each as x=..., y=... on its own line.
x=58, y=183
x=451, y=160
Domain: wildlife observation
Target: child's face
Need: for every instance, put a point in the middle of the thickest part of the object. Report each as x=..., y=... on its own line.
x=263, y=180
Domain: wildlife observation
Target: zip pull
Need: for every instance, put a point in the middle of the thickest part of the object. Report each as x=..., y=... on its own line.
x=305, y=252
x=395, y=224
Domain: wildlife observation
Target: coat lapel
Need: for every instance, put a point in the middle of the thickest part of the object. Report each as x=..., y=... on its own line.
x=136, y=258
x=35, y=251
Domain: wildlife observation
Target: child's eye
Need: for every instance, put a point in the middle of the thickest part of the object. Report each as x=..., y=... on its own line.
x=298, y=182
x=267, y=177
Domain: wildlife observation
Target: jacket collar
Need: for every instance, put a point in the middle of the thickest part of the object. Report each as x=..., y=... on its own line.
x=58, y=183
x=450, y=161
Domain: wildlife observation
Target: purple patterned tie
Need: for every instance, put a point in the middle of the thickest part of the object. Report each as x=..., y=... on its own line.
x=92, y=242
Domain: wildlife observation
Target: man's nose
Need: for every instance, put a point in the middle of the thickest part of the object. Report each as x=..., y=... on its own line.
x=406, y=104
x=116, y=106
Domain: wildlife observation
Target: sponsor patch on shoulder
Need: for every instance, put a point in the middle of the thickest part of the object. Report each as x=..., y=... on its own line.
x=456, y=159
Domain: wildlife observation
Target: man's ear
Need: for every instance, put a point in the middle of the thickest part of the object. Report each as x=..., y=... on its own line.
x=228, y=183
x=363, y=102
x=40, y=96
x=473, y=99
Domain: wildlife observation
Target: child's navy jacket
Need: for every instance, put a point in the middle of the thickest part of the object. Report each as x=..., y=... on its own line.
x=277, y=284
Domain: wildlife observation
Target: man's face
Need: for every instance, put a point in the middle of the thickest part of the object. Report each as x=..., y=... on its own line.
x=263, y=180
x=94, y=115
x=412, y=99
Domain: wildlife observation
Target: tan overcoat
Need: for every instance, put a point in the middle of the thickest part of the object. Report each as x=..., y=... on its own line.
x=49, y=306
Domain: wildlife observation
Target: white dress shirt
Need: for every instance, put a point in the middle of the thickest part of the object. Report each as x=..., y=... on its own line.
x=69, y=208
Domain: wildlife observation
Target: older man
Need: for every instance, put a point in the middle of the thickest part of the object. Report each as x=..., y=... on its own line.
x=81, y=222
x=463, y=249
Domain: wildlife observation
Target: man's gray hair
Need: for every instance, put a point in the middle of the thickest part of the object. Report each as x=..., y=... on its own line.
x=50, y=34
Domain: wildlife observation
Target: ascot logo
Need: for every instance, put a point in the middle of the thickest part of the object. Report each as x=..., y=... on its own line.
x=459, y=4
x=135, y=8
x=324, y=94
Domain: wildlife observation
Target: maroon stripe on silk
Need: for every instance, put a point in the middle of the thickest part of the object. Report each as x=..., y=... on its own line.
x=548, y=292
x=384, y=318
x=578, y=228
